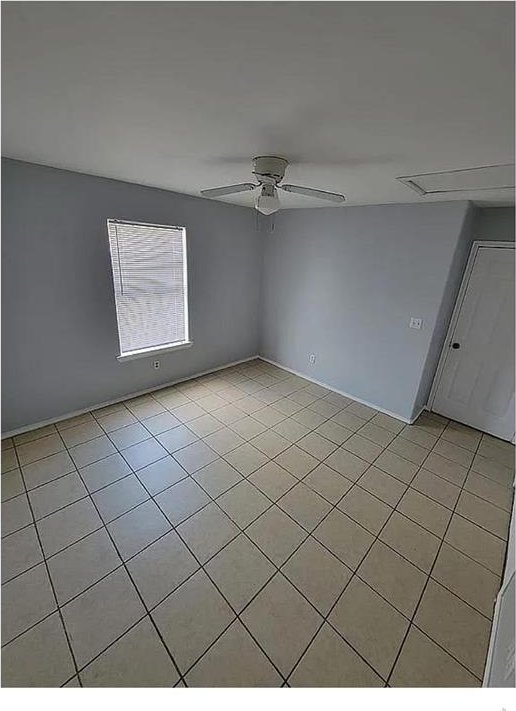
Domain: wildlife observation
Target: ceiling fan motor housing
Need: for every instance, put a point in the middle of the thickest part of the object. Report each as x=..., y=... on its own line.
x=269, y=169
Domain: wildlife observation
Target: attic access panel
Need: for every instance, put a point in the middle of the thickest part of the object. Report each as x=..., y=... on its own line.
x=489, y=177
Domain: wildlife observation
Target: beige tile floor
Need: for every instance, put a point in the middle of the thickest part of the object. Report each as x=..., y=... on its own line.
x=249, y=528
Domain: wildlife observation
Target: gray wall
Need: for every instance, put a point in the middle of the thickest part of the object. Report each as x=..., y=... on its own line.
x=494, y=223
x=342, y=283
x=59, y=330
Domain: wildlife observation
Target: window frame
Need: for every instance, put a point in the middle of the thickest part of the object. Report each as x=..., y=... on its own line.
x=168, y=347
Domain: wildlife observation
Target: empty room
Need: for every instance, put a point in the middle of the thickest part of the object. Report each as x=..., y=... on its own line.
x=258, y=348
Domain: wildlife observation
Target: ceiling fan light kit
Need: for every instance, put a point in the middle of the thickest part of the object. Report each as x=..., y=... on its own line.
x=269, y=171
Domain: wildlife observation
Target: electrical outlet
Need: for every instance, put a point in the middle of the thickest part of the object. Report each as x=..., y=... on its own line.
x=156, y=364
x=312, y=358
x=416, y=323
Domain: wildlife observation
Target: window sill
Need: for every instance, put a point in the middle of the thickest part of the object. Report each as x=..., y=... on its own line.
x=154, y=351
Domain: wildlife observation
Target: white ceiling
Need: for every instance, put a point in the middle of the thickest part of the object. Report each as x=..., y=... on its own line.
x=182, y=95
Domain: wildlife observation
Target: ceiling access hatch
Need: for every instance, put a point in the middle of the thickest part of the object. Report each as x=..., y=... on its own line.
x=488, y=177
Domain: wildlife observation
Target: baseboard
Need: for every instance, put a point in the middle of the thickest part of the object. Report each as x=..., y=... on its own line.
x=53, y=420
x=340, y=392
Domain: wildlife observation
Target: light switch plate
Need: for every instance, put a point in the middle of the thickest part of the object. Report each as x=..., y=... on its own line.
x=416, y=323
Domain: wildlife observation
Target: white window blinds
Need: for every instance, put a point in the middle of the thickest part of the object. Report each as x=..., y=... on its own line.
x=150, y=280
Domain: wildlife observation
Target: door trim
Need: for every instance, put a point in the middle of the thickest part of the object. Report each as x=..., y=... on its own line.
x=475, y=247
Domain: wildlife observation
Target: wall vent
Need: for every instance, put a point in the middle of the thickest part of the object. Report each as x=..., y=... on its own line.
x=486, y=177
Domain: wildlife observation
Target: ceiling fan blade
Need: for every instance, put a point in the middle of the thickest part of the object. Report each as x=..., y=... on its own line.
x=311, y=192
x=228, y=190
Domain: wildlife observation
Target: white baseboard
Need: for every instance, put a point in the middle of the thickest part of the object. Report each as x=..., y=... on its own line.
x=53, y=420
x=341, y=392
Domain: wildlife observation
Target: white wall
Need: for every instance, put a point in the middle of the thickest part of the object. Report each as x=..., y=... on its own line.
x=59, y=330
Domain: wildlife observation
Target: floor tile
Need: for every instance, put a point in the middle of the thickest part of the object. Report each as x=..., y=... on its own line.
x=248, y=427
x=423, y=664
x=104, y=472
x=138, y=528
x=16, y=514
x=463, y=436
x=239, y=570
x=363, y=448
x=26, y=599
x=328, y=483
x=318, y=574
x=343, y=537
x=207, y=531
x=243, y=503
x=182, y=500
x=382, y=485
x=287, y=406
x=330, y=662
x=58, y=493
x=454, y=452
x=177, y=438
x=305, y=506
x=63, y=425
x=272, y=480
x=211, y=402
x=296, y=461
x=81, y=433
x=372, y=626
x=497, y=450
x=425, y=511
x=276, y=535
x=12, y=484
x=489, y=490
x=92, y=451
x=29, y=436
x=217, y=477
x=192, y=618
x=9, y=460
x=45, y=470
x=493, y=470
x=324, y=408
x=116, y=420
x=160, y=475
x=484, y=514
x=486, y=549
x=117, y=498
x=144, y=453
x=147, y=409
x=376, y=434
x=347, y=464
x=161, y=567
x=67, y=526
x=138, y=659
x=393, y=577
x=411, y=451
x=454, y=625
x=446, y=468
x=415, y=434
x=205, y=425
x=82, y=564
x=102, y=613
x=131, y=434
x=270, y=443
x=349, y=421
x=290, y=429
x=20, y=551
x=388, y=423
x=436, y=488
x=467, y=579
x=188, y=411
x=316, y=445
x=228, y=414
x=411, y=540
x=396, y=466
x=365, y=509
x=334, y=432
x=224, y=440
x=246, y=459
x=235, y=660
x=282, y=622
x=363, y=411
x=309, y=418
x=39, y=658
x=39, y=449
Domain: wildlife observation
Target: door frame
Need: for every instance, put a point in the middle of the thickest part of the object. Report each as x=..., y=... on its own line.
x=475, y=247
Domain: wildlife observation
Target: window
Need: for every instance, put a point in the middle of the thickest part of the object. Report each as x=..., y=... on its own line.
x=150, y=280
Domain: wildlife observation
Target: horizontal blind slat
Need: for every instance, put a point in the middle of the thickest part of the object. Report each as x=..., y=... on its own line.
x=149, y=278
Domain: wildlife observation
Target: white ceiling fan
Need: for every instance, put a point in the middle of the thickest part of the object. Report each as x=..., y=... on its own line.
x=269, y=172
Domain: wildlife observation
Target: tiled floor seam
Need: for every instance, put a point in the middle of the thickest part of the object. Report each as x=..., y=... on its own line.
x=419, y=603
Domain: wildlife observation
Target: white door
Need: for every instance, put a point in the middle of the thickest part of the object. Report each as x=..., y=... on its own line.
x=476, y=381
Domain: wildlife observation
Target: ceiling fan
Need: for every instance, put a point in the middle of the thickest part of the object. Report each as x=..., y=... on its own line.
x=269, y=171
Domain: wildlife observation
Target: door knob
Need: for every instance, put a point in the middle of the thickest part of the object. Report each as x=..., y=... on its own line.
x=456, y=345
